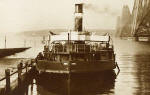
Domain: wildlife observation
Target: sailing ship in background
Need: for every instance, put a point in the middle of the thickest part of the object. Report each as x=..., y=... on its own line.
x=77, y=51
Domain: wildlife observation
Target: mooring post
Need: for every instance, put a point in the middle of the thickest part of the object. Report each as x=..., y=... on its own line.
x=7, y=74
x=26, y=65
x=31, y=63
x=19, y=74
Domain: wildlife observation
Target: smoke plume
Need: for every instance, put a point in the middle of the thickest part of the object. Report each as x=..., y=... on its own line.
x=101, y=10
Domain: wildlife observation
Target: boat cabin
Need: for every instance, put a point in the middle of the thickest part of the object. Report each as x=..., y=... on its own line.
x=63, y=50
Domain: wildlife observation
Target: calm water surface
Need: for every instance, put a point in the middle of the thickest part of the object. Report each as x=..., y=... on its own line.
x=134, y=78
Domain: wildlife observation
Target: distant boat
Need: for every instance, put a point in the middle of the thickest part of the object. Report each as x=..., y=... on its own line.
x=11, y=51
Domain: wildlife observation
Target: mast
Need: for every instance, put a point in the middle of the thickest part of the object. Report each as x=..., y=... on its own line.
x=49, y=39
x=5, y=41
x=24, y=43
x=68, y=42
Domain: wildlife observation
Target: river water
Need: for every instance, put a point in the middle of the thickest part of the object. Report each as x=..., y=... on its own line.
x=133, y=59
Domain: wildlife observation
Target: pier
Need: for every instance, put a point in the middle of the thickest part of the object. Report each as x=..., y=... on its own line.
x=17, y=78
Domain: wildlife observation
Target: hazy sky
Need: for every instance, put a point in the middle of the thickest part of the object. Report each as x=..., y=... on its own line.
x=22, y=15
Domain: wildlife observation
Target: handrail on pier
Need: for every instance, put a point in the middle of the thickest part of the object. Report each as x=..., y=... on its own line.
x=20, y=66
x=8, y=74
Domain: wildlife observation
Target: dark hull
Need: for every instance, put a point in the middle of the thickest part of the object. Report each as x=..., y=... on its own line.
x=77, y=84
x=80, y=67
x=10, y=51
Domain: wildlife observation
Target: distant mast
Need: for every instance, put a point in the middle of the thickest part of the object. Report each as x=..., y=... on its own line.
x=5, y=41
x=78, y=17
x=24, y=43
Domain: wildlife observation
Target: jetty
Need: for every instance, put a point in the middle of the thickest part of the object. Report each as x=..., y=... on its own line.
x=18, y=78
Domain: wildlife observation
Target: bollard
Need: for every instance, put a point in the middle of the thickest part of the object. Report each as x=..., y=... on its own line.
x=19, y=74
x=7, y=74
x=26, y=65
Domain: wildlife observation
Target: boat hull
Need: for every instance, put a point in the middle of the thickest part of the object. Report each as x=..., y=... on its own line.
x=75, y=66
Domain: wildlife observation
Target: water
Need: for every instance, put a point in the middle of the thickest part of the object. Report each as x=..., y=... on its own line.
x=133, y=59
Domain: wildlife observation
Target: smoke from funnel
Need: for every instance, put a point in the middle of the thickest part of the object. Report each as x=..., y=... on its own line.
x=102, y=10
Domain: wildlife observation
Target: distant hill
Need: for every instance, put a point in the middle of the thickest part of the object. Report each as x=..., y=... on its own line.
x=58, y=31
x=40, y=32
x=102, y=31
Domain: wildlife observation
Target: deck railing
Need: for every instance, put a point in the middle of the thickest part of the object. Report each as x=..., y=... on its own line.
x=79, y=48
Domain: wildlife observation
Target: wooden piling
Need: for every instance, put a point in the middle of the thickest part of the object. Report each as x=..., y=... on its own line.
x=7, y=74
x=26, y=66
x=19, y=74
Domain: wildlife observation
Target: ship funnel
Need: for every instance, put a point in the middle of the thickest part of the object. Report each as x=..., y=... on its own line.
x=78, y=8
x=78, y=17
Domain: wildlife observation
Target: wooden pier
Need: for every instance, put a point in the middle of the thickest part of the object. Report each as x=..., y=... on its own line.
x=14, y=81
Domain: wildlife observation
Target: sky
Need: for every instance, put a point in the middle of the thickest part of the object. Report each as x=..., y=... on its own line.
x=26, y=15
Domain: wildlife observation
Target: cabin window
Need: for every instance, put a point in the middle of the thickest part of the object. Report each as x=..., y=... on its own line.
x=104, y=56
x=79, y=57
x=87, y=48
x=74, y=48
x=65, y=58
x=103, y=46
x=110, y=55
x=97, y=56
x=81, y=48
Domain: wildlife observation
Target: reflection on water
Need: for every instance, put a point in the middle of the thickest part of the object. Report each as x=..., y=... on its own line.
x=134, y=61
x=89, y=84
x=134, y=78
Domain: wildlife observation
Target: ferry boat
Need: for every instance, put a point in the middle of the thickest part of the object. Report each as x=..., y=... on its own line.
x=77, y=51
